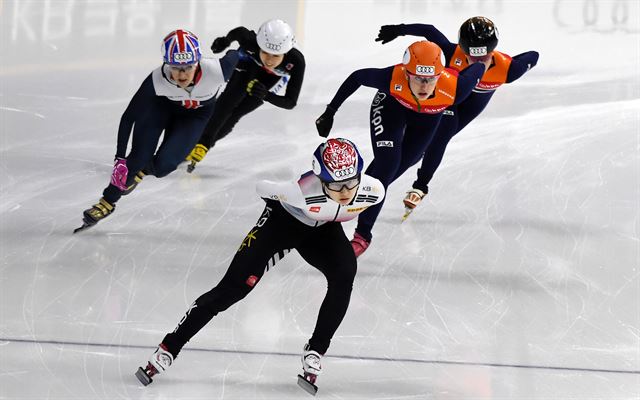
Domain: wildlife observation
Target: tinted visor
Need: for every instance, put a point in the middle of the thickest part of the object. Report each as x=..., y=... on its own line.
x=338, y=186
x=423, y=79
x=183, y=67
x=474, y=59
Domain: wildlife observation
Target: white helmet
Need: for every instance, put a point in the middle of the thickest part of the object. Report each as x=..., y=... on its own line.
x=275, y=37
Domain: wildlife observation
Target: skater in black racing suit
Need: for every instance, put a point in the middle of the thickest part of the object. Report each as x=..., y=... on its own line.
x=304, y=215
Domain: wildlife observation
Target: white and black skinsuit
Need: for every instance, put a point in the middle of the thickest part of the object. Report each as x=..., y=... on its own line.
x=298, y=215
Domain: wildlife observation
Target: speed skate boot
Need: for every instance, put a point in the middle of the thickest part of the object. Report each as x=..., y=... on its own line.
x=196, y=155
x=136, y=180
x=359, y=244
x=411, y=201
x=311, y=369
x=99, y=211
x=159, y=361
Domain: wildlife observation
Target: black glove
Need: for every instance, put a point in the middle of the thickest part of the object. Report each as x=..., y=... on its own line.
x=257, y=89
x=388, y=33
x=220, y=44
x=325, y=122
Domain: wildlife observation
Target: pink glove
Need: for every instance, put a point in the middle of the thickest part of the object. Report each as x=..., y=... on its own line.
x=119, y=174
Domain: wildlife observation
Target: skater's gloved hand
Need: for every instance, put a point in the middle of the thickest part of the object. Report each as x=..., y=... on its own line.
x=119, y=174
x=413, y=198
x=220, y=44
x=388, y=33
x=257, y=89
x=325, y=122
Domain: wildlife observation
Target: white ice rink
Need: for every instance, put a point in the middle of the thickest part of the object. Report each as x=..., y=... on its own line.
x=517, y=277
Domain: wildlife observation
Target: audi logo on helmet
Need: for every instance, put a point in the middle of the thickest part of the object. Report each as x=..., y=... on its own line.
x=272, y=46
x=275, y=37
x=428, y=70
x=182, y=57
x=347, y=172
x=478, y=51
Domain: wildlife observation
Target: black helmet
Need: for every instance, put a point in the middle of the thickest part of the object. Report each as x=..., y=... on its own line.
x=478, y=36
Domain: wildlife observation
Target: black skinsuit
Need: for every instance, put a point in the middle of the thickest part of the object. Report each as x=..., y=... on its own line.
x=235, y=102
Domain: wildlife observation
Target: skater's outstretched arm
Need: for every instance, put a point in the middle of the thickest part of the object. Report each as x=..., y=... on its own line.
x=135, y=109
x=295, y=58
x=522, y=63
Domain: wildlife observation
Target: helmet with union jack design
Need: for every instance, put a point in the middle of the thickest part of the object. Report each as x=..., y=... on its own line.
x=275, y=37
x=423, y=58
x=337, y=160
x=181, y=47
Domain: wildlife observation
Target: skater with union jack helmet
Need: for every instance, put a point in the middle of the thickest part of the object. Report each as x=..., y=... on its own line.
x=177, y=98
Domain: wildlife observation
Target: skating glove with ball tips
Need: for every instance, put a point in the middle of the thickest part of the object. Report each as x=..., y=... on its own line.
x=388, y=33
x=119, y=174
x=220, y=44
x=257, y=89
x=325, y=122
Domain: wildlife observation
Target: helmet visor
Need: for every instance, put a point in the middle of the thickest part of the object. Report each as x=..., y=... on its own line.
x=349, y=184
x=423, y=79
x=183, y=67
x=481, y=59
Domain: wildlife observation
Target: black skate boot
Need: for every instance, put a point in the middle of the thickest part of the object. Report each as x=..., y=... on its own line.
x=136, y=180
x=311, y=367
x=95, y=214
x=159, y=361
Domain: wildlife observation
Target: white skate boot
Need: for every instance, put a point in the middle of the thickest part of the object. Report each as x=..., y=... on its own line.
x=312, y=368
x=159, y=361
x=411, y=201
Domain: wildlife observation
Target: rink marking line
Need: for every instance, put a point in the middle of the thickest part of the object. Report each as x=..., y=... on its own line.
x=342, y=357
x=23, y=111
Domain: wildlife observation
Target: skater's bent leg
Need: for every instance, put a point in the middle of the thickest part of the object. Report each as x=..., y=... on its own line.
x=207, y=306
x=435, y=152
x=378, y=169
x=367, y=219
x=234, y=93
x=179, y=139
x=336, y=260
x=112, y=194
x=387, y=125
x=145, y=140
x=247, y=105
x=271, y=237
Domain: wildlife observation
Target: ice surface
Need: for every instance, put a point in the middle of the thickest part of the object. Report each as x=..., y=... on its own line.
x=516, y=278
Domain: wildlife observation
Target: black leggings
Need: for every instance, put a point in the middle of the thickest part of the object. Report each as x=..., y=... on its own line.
x=181, y=128
x=325, y=247
x=234, y=103
x=399, y=137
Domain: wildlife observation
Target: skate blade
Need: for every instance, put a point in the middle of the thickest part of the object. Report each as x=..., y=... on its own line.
x=82, y=228
x=406, y=215
x=143, y=377
x=307, y=386
x=191, y=167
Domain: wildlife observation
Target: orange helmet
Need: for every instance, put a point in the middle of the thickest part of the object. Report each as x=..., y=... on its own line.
x=423, y=58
